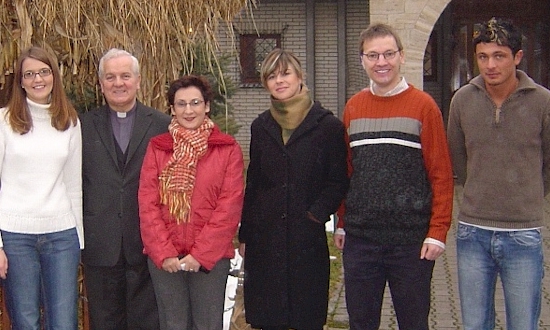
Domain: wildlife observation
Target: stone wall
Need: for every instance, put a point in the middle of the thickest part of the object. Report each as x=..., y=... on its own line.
x=414, y=20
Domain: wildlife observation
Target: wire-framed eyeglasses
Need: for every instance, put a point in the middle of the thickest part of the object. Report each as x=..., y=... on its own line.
x=193, y=103
x=32, y=74
x=373, y=56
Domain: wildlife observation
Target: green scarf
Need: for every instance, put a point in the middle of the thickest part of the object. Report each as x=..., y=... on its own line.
x=290, y=113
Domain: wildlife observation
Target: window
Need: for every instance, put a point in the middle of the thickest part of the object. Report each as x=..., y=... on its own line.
x=254, y=48
x=430, y=58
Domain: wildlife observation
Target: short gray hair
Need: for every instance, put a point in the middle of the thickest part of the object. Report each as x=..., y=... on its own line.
x=113, y=53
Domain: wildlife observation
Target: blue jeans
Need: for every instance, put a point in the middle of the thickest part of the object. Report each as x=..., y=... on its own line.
x=515, y=256
x=42, y=268
x=367, y=269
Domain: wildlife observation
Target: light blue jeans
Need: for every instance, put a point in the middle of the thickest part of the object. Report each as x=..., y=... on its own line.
x=515, y=256
x=43, y=269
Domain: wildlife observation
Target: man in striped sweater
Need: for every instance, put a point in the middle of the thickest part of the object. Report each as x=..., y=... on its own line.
x=397, y=212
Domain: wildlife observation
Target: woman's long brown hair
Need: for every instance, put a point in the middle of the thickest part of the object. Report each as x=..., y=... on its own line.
x=62, y=111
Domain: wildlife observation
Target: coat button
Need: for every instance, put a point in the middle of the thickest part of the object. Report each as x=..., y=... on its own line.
x=120, y=214
x=283, y=216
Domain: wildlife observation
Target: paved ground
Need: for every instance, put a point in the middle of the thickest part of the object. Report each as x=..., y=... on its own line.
x=445, y=312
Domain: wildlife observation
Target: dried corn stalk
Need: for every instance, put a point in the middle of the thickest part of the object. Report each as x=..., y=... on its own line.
x=160, y=33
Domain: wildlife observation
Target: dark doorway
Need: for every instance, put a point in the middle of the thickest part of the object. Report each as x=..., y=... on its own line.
x=454, y=30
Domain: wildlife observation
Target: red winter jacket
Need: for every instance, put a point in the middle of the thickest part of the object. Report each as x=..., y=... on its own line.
x=216, y=203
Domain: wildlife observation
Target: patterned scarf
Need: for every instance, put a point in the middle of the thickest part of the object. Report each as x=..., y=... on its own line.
x=177, y=179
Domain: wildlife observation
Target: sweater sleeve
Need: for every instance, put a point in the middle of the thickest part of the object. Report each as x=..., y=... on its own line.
x=457, y=144
x=2, y=151
x=546, y=149
x=72, y=176
x=437, y=160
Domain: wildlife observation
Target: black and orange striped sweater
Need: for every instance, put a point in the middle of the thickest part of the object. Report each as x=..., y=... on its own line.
x=401, y=182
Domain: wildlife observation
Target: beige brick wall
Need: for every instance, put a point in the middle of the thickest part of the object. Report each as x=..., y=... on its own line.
x=414, y=20
x=251, y=101
x=326, y=56
x=357, y=19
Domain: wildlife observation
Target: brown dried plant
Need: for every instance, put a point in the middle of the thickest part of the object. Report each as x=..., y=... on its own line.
x=160, y=33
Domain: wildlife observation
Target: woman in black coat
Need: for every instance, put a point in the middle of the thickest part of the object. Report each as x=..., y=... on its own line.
x=296, y=179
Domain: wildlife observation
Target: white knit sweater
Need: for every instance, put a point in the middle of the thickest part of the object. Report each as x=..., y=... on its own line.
x=40, y=176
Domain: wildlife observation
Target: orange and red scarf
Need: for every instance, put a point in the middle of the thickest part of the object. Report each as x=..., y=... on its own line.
x=177, y=179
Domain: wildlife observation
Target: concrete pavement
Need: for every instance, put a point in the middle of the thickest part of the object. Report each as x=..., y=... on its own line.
x=445, y=307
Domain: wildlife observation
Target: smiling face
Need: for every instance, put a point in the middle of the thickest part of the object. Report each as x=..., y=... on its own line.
x=120, y=83
x=37, y=88
x=385, y=73
x=283, y=85
x=189, y=107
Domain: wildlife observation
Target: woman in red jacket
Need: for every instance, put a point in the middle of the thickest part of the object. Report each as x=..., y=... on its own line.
x=190, y=203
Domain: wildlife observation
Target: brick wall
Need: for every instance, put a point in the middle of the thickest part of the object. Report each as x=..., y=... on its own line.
x=326, y=56
x=357, y=19
x=249, y=102
x=414, y=20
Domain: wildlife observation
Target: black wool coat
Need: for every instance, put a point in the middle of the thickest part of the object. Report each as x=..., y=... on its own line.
x=286, y=258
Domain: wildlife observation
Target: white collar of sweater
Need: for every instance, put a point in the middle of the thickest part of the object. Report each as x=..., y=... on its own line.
x=38, y=111
x=399, y=88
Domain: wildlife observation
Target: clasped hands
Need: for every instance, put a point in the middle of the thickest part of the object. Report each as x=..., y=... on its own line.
x=175, y=264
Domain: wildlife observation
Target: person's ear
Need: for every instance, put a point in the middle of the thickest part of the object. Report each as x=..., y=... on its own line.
x=518, y=57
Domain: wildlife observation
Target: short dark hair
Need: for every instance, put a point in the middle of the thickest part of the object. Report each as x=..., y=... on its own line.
x=501, y=31
x=191, y=81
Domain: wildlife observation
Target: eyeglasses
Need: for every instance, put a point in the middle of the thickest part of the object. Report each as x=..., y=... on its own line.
x=32, y=74
x=194, y=103
x=375, y=56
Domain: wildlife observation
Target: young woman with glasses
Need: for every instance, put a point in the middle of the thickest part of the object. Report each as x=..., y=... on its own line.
x=40, y=196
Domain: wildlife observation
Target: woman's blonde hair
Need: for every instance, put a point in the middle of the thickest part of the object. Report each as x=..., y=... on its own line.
x=61, y=110
x=279, y=59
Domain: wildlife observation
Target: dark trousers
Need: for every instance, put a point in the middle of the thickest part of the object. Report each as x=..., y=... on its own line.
x=121, y=297
x=367, y=269
x=189, y=300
